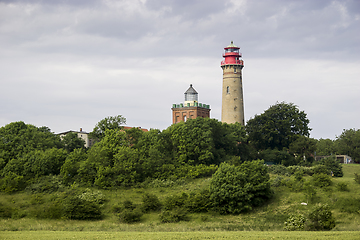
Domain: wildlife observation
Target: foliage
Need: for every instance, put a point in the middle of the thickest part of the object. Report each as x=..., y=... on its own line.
x=236, y=189
x=150, y=202
x=332, y=165
x=174, y=215
x=69, y=170
x=342, y=186
x=349, y=143
x=295, y=222
x=108, y=123
x=175, y=201
x=11, y=182
x=309, y=191
x=320, y=219
x=325, y=147
x=204, y=140
x=82, y=205
x=278, y=126
x=303, y=147
x=72, y=141
x=199, y=201
x=357, y=178
x=5, y=211
x=348, y=205
x=18, y=138
x=321, y=180
x=130, y=215
x=45, y=184
x=277, y=156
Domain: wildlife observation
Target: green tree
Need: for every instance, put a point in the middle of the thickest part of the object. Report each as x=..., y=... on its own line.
x=110, y=123
x=349, y=143
x=278, y=126
x=204, y=141
x=69, y=170
x=236, y=189
x=304, y=148
x=18, y=138
x=72, y=141
x=325, y=147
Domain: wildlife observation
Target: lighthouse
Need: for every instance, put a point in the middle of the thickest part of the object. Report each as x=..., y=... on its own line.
x=191, y=108
x=232, y=109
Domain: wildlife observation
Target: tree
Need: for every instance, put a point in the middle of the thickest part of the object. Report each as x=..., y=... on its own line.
x=325, y=147
x=204, y=140
x=278, y=126
x=236, y=189
x=110, y=123
x=72, y=141
x=18, y=138
x=304, y=148
x=349, y=143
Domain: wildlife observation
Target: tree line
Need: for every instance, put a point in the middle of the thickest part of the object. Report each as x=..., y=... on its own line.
x=190, y=149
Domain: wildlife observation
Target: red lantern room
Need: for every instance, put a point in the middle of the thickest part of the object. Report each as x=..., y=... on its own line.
x=232, y=55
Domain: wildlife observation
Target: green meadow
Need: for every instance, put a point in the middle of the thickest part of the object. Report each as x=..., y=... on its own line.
x=266, y=222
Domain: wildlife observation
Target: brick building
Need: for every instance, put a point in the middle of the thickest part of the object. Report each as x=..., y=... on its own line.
x=191, y=108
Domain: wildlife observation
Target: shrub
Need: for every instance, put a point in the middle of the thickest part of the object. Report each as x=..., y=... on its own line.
x=342, y=186
x=321, y=180
x=295, y=222
x=174, y=215
x=279, y=170
x=80, y=209
x=277, y=182
x=320, y=219
x=236, y=189
x=175, y=201
x=150, y=202
x=309, y=191
x=357, y=178
x=5, y=211
x=333, y=166
x=199, y=201
x=321, y=169
x=130, y=215
x=46, y=184
x=12, y=182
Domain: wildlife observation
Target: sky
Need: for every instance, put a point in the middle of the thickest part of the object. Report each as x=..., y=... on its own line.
x=67, y=64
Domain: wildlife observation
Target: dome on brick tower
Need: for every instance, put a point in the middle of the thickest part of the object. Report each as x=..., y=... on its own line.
x=191, y=94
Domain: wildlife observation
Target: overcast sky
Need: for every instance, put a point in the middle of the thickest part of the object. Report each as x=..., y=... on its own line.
x=66, y=64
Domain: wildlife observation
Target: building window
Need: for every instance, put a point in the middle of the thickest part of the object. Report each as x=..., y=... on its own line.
x=227, y=89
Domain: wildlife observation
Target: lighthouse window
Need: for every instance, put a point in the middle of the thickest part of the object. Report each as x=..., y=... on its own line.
x=234, y=70
x=227, y=89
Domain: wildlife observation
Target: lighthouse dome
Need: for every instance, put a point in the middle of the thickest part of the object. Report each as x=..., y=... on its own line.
x=191, y=94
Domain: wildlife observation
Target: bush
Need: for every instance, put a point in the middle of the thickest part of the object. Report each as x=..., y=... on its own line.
x=175, y=201
x=357, y=178
x=11, y=183
x=318, y=169
x=320, y=219
x=80, y=209
x=199, y=201
x=150, y=202
x=321, y=180
x=279, y=170
x=342, y=186
x=333, y=165
x=46, y=184
x=236, y=189
x=5, y=211
x=130, y=215
x=174, y=215
x=295, y=222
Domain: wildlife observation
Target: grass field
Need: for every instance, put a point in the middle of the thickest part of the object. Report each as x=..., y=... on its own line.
x=266, y=222
x=48, y=235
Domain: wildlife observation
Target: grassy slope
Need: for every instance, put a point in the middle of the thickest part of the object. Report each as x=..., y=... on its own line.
x=267, y=218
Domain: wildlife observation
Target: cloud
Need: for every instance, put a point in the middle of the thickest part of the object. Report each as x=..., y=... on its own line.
x=68, y=64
